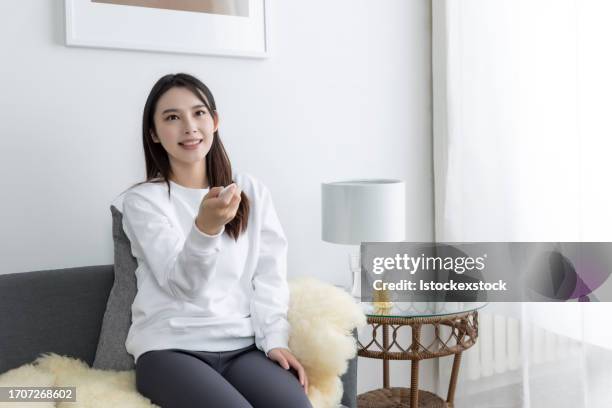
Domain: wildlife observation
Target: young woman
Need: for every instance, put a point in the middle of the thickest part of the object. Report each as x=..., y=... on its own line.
x=209, y=321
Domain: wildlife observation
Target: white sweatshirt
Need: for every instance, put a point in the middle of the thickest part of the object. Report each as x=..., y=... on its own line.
x=205, y=292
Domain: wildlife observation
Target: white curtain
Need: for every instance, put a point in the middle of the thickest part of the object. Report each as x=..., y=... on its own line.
x=522, y=145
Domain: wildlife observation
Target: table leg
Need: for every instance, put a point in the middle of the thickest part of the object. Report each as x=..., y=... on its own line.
x=414, y=367
x=385, y=360
x=453, y=379
x=414, y=383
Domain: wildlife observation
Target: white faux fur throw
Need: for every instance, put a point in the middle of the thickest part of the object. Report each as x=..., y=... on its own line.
x=321, y=316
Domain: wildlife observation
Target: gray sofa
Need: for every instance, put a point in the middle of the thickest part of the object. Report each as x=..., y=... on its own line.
x=61, y=311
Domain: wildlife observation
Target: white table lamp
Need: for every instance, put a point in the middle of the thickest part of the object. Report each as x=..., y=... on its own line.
x=367, y=210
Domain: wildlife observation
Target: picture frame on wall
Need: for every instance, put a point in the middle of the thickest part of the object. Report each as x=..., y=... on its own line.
x=234, y=28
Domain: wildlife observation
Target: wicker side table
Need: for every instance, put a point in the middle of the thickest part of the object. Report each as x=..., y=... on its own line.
x=463, y=334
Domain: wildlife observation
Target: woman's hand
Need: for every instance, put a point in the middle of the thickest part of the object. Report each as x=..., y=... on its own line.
x=214, y=213
x=286, y=359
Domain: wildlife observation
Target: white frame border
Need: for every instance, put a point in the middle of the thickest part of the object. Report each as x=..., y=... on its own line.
x=73, y=41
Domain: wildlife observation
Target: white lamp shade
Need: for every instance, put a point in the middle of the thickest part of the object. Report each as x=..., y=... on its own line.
x=356, y=211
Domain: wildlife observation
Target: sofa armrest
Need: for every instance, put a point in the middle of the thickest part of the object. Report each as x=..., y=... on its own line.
x=349, y=382
x=56, y=311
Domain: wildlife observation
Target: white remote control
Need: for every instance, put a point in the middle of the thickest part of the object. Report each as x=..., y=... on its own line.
x=226, y=192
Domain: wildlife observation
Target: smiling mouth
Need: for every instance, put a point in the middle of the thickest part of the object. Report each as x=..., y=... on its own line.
x=191, y=143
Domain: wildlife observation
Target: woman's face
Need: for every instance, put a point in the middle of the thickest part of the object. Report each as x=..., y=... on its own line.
x=181, y=119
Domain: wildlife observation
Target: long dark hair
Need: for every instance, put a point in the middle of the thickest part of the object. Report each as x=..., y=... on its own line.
x=218, y=166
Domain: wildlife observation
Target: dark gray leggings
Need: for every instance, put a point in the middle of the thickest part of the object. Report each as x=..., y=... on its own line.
x=175, y=378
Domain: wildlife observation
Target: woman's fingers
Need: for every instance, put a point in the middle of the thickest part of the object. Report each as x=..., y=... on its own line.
x=217, y=211
x=301, y=372
x=230, y=207
x=213, y=192
x=301, y=375
x=236, y=197
x=235, y=201
x=286, y=359
x=283, y=361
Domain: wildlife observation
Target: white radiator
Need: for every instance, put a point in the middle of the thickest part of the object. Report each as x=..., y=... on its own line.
x=497, y=357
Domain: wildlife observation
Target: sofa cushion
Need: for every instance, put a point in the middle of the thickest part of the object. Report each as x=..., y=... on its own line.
x=111, y=353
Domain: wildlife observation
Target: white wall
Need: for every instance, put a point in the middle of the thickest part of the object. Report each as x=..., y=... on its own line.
x=345, y=94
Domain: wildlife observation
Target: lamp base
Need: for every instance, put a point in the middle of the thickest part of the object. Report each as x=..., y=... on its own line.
x=355, y=268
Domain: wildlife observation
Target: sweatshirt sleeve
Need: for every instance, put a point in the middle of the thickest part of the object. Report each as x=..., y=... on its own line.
x=270, y=300
x=181, y=266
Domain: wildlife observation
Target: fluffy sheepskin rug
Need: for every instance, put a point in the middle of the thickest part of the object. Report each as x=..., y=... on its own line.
x=30, y=376
x=322, y=318
x=94, y=388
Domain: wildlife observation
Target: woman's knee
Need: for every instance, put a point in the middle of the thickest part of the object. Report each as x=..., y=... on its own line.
x=265, y=383
x=295, y=400
x=287, y=395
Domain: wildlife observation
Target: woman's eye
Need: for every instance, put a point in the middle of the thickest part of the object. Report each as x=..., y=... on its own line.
x=171, y=117
x=200, y=113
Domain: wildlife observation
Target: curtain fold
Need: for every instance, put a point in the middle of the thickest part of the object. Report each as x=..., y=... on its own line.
x=521, y=139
